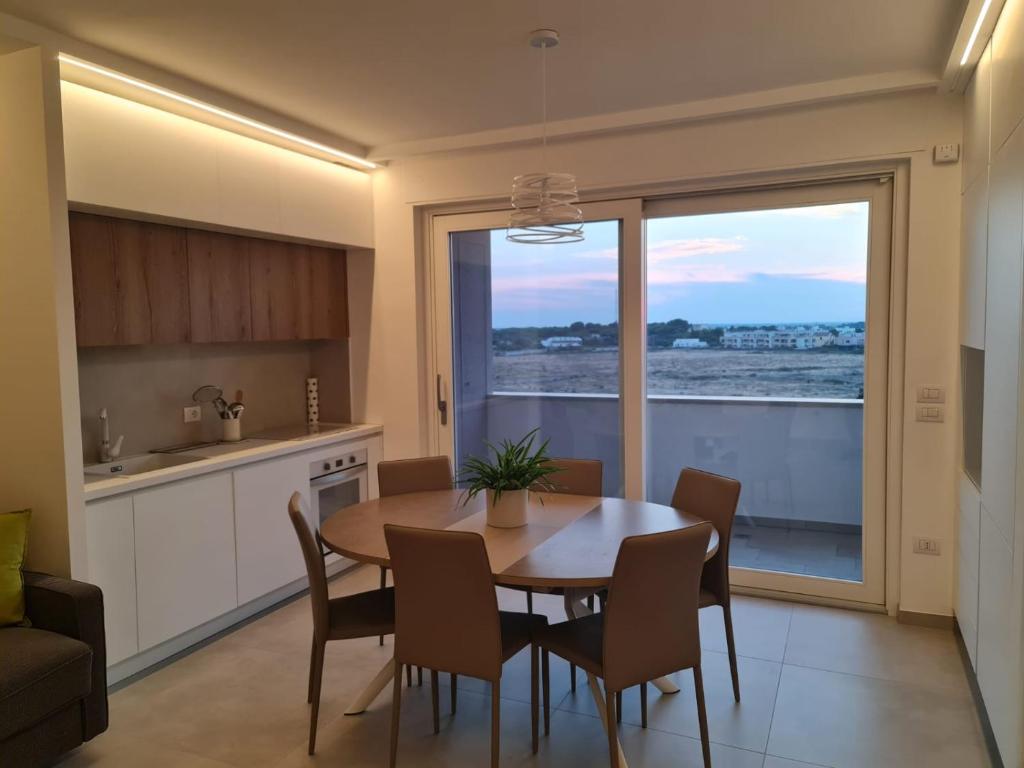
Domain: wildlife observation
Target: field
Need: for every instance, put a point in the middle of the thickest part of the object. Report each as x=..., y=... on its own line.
x=825, y=372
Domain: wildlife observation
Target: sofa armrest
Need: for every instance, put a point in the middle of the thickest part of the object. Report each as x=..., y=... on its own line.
x=74, y=609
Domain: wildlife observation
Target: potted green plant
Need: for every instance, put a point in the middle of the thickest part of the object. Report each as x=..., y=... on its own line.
x=507, y=478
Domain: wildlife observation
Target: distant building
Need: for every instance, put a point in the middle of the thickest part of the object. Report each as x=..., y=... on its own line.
x=689, y=344
x=561, y=342
x=790, y=339
x=850, y=338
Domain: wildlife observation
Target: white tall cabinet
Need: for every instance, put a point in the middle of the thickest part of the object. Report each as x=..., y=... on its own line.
x=991, y=525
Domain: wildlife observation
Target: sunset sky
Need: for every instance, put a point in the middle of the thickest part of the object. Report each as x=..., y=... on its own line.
x=782, y=266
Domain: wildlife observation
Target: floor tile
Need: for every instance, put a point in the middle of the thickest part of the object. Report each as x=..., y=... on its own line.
x=743, y=725
x=874, y=645
x=849, y=721
x=760, y=626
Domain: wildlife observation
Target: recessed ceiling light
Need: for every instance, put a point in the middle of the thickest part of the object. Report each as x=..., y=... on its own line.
x=224, y=114
x=974, y=32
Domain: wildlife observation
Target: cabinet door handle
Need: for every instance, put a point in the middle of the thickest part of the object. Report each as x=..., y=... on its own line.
x=442, y=403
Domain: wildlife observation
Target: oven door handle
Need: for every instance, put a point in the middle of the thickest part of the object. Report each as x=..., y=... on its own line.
x=337, y=477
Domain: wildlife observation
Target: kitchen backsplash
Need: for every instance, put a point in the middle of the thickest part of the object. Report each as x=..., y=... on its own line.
x=145, y=388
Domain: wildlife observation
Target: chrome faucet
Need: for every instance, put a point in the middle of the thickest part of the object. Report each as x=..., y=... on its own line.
x=108, y=452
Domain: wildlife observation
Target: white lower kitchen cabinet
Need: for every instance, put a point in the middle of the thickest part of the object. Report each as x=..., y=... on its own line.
x=110, y=547
x=184, y=556
x=268, y=550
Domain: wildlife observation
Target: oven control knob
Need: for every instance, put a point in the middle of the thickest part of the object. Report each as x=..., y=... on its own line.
x=351, y=459
x=327, y=466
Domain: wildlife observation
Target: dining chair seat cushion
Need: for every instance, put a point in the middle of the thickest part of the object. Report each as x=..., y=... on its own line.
x=364, y=614
x=517, y=631
x=578, y=641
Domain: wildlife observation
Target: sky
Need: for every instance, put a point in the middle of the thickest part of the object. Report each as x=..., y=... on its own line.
x=789, y=265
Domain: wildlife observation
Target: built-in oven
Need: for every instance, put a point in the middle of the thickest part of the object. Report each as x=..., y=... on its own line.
x=336, y=482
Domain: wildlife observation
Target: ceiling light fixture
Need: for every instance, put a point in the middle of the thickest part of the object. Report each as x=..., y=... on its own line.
x=545, y=204
x=224, y=114
x=974, y=32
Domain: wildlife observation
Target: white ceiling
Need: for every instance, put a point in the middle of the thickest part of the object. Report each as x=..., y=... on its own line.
x=381, y=72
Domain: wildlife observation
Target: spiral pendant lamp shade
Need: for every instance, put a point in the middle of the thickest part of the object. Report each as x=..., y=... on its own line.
x=545, y=209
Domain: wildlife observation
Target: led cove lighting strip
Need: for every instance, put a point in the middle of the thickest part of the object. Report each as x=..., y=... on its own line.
x=223, y=113
x=974, y=32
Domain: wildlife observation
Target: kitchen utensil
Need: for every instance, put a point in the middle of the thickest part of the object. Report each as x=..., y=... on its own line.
x=222, y=407
x=239, y=396
x=235, y=410
x=207, y=394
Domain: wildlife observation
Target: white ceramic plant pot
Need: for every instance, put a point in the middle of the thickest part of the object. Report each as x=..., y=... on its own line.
x=232, y=430
x=509, y=511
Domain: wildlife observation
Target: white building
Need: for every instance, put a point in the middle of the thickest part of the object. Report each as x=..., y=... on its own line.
x=850, y=339
x=794, y=339
x=689, y=344
x=561, y=342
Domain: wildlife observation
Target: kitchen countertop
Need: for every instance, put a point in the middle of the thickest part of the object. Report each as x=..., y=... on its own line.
x=226, y=456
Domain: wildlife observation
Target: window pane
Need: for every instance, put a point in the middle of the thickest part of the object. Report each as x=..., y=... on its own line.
x=536, y=344
x=756, y=341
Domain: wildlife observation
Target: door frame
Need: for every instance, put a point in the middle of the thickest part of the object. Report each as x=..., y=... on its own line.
x=897, y=167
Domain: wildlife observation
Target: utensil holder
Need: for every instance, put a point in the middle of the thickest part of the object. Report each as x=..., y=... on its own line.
x=232, y=430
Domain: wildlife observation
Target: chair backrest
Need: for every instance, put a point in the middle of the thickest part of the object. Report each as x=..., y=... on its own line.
x=446, y=609
x=312, y=554
x=651, y=627
x=713, y=498
x=433, y=473
x=581, y=477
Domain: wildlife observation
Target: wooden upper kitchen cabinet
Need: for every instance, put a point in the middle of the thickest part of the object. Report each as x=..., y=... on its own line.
x=142, y=283
x=130, y=280
x=298, y=291
x=219, y=287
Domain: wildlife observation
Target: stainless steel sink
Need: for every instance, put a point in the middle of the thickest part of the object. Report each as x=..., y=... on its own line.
x=136, y=465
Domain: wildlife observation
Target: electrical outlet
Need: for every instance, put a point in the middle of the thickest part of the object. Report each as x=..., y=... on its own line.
x=193, y=413
x=923, y=546
x=946, y=153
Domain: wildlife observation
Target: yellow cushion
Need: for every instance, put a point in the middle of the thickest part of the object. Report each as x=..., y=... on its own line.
x=13, y=543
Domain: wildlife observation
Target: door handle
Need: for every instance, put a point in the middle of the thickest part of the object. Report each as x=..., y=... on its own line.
x=442, y=403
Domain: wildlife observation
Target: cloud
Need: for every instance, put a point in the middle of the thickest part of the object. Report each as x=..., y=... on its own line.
x=673, y=250
x=830, y=211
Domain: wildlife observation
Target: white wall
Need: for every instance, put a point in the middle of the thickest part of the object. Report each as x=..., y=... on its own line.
x=126, y=156
x=895, y=126
x=40, y=454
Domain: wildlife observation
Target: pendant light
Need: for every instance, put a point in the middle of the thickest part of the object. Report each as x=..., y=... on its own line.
x=545, y=205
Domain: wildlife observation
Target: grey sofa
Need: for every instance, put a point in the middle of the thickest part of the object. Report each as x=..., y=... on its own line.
x=53, y=678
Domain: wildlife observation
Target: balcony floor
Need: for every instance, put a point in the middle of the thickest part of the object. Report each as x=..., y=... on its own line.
x=797, y=549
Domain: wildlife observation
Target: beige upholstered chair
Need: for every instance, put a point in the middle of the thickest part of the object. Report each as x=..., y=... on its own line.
x=447, y=619
x=637, y=638
x=432, y=473
x=713, y=498
x=334, y=618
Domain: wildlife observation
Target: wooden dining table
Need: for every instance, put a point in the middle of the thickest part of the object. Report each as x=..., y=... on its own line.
x=569, y=542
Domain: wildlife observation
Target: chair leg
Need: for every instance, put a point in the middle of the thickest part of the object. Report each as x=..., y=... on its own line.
x=312, y=665
x=610, y=720
x=529, y=601
x=572, y=677
x=534, y=704
x=396, y=707
x=731, y=642
x=455, y=691
x=618, y=707
x=495, y=722
x=383, y=585
x=318, y=673
x=546, y=683
x=433, y=701
x=419, y=676
x=702, y=715
x=643, y=705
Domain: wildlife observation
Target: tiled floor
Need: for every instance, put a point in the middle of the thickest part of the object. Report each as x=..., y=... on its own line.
x=821, y=687
x=832, y=554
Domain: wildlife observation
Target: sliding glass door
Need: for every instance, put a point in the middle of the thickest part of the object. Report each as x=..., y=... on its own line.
x=767, y=343
x=743, y=333
x=535, y=339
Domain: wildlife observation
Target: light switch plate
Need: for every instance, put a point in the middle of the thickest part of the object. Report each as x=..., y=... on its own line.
x=192, y=413
x=947, y=153
x=931, y=413
x=931, y=394
x=924, y=546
